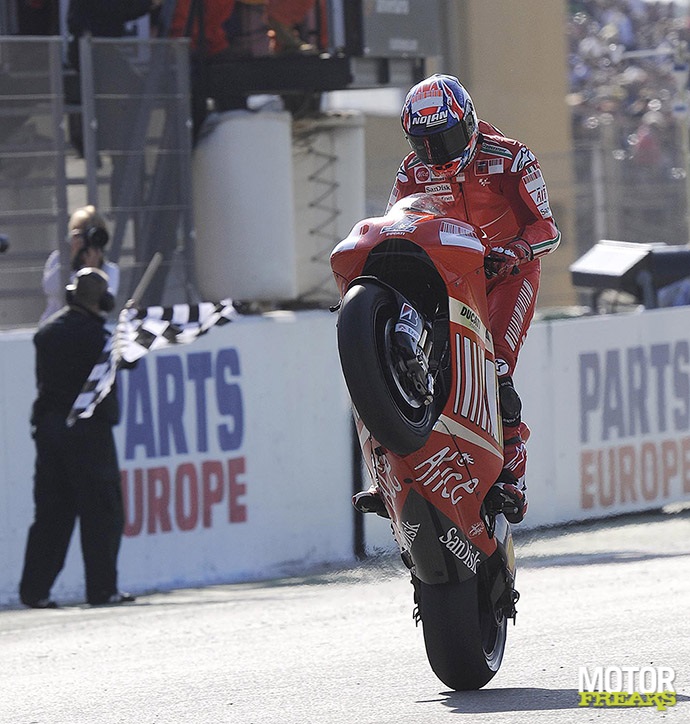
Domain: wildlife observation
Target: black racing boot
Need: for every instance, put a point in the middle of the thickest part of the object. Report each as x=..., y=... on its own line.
x=370, y=501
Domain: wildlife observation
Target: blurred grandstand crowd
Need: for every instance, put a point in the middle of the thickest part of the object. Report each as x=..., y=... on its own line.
x=621, y=59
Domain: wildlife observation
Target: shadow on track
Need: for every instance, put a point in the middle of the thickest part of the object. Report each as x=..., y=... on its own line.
x=492, y=701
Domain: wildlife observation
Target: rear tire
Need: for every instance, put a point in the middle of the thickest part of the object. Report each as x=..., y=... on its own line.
x=365, y=325
x=464, y=638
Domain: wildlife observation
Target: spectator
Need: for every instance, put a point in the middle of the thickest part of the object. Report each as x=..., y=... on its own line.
x=675, y=295
x=247, y=29
x=284, y=19
x=222, y=29
x=76, y=473
x=649, y=155
x=600, y=32
x=199, y=19
x=622, y=55
x=87, y=236
x=38, y=17
x=103, y=19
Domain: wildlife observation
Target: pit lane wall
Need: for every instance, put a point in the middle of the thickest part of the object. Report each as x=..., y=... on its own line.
x=608, y=401
x=234, y=453
x=235, y=450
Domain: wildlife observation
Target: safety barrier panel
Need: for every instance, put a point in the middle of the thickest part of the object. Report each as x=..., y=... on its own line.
x=234, y=453
x=235, y=450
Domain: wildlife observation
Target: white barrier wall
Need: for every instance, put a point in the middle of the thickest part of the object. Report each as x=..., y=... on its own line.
x=235, y=450
x=608, y=402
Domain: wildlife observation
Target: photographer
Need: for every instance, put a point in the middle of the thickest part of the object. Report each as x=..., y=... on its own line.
x=87, y=237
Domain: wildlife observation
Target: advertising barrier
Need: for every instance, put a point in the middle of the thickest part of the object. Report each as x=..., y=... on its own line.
x=234, y=454
x=607, y=399
x=235, y=451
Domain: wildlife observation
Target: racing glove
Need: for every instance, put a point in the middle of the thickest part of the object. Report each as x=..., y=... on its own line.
x=502, y=261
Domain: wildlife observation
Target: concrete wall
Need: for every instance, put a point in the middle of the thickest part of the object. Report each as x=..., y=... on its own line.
x=608, y=403
x=234, y=452
x=248, y=475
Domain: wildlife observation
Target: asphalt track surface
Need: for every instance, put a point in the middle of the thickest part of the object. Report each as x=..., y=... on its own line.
x=340, y=647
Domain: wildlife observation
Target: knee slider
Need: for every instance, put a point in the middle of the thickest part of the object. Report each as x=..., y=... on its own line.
x=511, y=404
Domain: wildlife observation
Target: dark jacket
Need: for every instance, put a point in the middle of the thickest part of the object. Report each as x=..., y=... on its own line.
x=104, y=18
x=100, y=18
x=67, y=347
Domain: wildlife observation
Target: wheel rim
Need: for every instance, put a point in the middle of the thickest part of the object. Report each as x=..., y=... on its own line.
x=395, y=374
x=412, y=409
x=367, y=353
x=493, y=629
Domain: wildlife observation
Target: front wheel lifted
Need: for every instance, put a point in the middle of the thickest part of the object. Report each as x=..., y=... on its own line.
x=464, y=635
x=366, y=322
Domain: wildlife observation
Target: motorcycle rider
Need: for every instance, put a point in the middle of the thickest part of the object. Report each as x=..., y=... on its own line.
x=496, y=183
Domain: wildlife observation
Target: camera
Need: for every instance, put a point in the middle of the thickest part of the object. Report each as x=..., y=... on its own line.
x=95, y=236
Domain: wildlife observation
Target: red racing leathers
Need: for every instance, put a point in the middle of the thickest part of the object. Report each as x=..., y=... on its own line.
x=502, y=190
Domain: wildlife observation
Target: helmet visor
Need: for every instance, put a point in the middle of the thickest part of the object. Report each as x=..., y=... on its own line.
x=442, y=147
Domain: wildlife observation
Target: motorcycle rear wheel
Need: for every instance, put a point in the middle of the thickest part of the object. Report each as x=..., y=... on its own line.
x=464, y=637
x=367, y=317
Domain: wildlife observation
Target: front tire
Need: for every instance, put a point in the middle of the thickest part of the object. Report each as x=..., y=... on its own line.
x=464, y=637
x=365, y=342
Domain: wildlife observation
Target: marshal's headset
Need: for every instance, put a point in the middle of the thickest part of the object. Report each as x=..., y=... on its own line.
x=81, y=290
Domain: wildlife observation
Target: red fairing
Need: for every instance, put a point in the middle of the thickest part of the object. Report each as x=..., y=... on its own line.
x=464, y=454
x=423, y=228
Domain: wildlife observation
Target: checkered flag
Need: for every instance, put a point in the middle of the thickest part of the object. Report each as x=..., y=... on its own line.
x=139, y=331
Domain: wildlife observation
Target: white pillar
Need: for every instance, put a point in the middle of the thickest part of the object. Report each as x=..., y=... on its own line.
x=244, y=208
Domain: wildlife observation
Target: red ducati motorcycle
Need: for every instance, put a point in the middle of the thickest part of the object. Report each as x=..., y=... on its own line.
x=418, y=360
